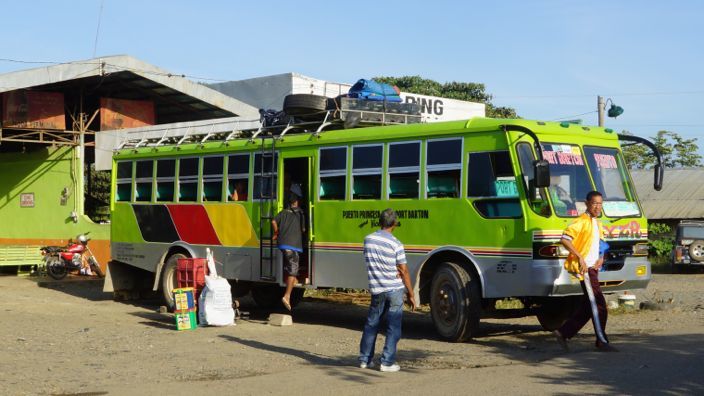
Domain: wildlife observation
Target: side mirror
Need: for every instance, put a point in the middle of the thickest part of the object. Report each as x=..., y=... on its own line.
x=541, y=173
x=659, y=175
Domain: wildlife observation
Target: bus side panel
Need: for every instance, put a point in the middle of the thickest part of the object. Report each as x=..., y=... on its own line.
x=124, y=226
x=335, y=268
x=146, y=256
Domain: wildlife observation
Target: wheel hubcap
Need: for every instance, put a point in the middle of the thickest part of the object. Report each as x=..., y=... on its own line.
x=447, y=303
x=697, y=251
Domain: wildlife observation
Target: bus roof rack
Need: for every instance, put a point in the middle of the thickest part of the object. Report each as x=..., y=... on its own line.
x=351, y=114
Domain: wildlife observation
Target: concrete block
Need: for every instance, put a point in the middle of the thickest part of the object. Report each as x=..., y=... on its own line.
x=280, y=320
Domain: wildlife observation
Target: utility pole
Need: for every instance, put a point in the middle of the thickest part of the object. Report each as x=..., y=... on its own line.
x=600, y=105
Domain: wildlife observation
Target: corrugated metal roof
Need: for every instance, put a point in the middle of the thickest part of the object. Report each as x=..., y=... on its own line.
x=681, y=197
x=116, y=75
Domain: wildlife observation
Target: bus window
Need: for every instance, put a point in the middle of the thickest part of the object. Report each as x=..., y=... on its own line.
x=144, y=178
x=238, y=177
x=404, y=170
x=569, y=180
x=212, y=178
x=610, y=177
x=265, y=180
x=124, y=181
x=444, y=167
x=536, y=196
x=333, y=171
x=187, y=179
x=165, y=177
x=491, y=176
x=366, y=172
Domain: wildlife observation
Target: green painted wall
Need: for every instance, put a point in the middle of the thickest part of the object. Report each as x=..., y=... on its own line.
x=45, y=172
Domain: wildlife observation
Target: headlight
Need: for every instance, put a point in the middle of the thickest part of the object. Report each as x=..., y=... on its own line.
x=640, y=249
x=556, y=250
x=687, y=241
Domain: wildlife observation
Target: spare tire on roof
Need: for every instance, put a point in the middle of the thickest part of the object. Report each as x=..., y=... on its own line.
x=306, y=106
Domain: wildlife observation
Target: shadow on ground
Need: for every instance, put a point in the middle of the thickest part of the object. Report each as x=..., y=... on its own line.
x=416, y=325
x=156, y=320
x=342, y=367
x=645, y=364
x=91, y=288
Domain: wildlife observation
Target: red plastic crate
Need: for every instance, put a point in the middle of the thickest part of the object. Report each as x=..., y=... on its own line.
x=190, y=272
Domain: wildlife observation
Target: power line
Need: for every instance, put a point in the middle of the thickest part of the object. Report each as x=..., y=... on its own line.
x=28, y=62
x=97, y=30
x=663, y=125
x=605, y=94
x=573, y=116
x=494, y=96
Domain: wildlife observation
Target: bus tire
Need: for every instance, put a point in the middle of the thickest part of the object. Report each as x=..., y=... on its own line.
x=455, y=303
x=269, y=296
x=169, y=280
x=555, y=311
x=306, y=106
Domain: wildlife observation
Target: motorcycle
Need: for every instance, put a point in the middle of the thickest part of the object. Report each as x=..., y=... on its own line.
x=59, y=260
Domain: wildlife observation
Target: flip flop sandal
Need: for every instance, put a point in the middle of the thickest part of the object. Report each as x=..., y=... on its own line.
x=286, y=303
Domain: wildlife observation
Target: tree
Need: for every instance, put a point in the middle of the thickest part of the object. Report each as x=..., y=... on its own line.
x=97, y=195
x=676, y=151
x=472, y=92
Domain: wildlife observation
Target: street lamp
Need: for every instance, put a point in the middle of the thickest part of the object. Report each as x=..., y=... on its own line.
x=614, y=111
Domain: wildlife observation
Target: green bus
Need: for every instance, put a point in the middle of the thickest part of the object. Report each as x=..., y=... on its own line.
x=482, y=204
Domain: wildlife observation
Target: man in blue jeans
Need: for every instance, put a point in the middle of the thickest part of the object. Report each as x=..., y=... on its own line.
x=388, y=282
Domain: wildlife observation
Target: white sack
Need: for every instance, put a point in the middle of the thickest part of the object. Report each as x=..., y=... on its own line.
x=215, y=303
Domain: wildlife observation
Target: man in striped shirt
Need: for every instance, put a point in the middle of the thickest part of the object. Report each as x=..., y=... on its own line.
x=388, y=280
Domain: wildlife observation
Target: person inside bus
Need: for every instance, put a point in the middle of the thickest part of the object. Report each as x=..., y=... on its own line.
x=239, y=193
x=288, y=229
x=561, y=199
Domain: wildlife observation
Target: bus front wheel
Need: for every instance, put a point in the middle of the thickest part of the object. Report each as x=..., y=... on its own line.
x=169, y=280
x=455, y=303
x=555, y=311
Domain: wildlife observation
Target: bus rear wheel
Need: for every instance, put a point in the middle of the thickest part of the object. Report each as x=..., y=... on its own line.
x=455, y=303
x=169, y=280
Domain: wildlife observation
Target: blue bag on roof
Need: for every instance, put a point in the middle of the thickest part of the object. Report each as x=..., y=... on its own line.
x=374, y=90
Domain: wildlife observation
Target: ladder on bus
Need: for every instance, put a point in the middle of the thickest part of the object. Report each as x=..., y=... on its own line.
x=267, y=208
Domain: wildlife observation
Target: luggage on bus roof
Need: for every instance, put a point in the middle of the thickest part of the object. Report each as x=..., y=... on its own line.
x=374, y=90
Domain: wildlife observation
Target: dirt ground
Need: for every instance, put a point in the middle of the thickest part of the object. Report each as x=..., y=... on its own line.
x=69, y=338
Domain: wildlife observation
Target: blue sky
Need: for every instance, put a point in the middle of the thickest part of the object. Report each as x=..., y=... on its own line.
x=547, y=59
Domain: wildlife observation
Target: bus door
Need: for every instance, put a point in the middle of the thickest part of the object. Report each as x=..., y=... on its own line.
x=298, y=180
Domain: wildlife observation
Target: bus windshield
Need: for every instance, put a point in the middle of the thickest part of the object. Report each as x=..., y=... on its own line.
x=611, y=179
x=570, y=182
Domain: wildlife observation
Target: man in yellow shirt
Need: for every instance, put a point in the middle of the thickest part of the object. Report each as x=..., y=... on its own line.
x=581, y=239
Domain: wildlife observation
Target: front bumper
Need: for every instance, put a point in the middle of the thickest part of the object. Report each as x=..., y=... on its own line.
x=635, y=274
